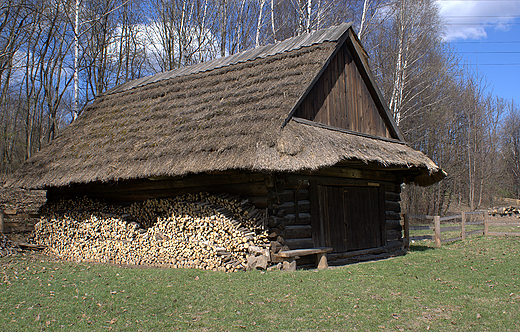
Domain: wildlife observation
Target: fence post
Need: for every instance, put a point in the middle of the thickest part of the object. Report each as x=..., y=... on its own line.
x=406, y=222
x=437, y=235
x=1, y=221
x=463, y=226
x=486, y=223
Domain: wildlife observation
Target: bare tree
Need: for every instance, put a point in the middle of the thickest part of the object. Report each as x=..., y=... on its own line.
x=511, y=151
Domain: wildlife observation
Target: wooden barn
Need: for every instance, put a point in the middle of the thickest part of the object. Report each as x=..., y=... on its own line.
x=298, y=127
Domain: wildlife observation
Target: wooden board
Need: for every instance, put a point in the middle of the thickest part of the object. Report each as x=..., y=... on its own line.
x=341, y=98
x=303, y=252
x=351, y=217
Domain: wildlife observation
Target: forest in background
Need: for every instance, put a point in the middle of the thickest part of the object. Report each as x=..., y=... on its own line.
x=57, y=55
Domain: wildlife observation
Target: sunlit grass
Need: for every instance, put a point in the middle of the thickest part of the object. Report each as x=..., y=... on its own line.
x=463, y=285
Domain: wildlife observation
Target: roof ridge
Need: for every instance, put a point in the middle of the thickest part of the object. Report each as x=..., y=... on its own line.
x=330, y=34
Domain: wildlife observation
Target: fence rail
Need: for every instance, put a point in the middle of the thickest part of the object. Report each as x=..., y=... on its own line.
x=438, y=230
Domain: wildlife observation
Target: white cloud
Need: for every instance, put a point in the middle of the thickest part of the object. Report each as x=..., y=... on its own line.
x=469, y=19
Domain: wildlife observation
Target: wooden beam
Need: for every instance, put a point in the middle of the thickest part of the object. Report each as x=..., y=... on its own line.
x=463, y=226
x=437, y=234
x=406, y=221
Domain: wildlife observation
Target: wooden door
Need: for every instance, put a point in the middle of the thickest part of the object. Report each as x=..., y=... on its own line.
x=352, y=217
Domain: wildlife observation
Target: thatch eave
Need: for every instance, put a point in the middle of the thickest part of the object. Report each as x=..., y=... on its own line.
x=226, y=118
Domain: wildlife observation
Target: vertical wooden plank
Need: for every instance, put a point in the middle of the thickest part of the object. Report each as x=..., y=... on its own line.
x=316, y=223
x=406, y=226
x=2, y=221
x=437, y=234
x=382, y=215
x=339, y=117
x=348, y=92
x=342, y=89
x=486, y=223
x=364, y=216
x=463, y=226
x=322, y=213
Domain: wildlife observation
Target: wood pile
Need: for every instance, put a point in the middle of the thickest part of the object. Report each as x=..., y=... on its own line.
x=190, y=231
x=7, y=247
x=505, y=211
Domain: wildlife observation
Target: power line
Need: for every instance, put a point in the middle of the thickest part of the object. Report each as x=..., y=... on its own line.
x=494, y=64
x=478, y=0
x=489, y=52
x=484, y=23
x=484, y=16
x=486, y=42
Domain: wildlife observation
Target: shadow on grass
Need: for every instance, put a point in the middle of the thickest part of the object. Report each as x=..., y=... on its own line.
x=415, y=247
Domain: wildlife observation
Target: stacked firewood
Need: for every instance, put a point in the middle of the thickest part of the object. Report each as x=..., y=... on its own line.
x=190, y=231
x=505, y=211
x=7, y=247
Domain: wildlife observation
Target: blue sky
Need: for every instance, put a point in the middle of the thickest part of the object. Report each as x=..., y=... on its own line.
x=486, y=34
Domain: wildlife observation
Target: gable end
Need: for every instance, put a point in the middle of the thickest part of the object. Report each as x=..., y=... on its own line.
x=344, y=95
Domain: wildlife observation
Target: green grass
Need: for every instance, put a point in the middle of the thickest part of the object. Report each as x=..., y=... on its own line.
x=471, y=285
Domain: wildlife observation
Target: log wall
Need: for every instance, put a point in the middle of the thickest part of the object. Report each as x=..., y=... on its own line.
x=294, y=209
x=290, y=200
x=248, y=185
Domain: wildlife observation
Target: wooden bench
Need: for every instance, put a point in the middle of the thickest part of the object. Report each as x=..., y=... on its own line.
x=292, y=255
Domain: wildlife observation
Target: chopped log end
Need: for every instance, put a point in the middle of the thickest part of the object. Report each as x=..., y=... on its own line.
x=189, y=231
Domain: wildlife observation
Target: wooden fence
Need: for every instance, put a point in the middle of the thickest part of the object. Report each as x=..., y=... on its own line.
x=464, y=216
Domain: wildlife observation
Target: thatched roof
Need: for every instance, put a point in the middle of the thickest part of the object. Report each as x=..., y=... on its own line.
x=222, y=115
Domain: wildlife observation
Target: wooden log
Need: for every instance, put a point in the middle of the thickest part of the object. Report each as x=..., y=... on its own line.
x=481, y=222
x=259, y=201
x=406, y=221
x=477, y=231
x=486, y=225
x=421, y=228
x=252, y=185
x=289, y=255
x=299, y=243
x=450, y=228
x=297, y=231
x=504, y=224
x=25, y=245
x=281, y=197
x=391, y=246
x=369, y=257
x=289, y=266
x=394, y=224
x=1, y=221
x=463, y=226
x=392, y=196
x=437, y=234
x=393, y=235
x=303, y=194
x=504, y=234
x=392, y=206
x=304, y=252
x=458, y=216
x=352, y=173
x=392, y=215
x=290, y=219
x=14, y=227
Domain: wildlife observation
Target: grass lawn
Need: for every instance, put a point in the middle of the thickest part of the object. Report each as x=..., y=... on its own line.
x=471, y=285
